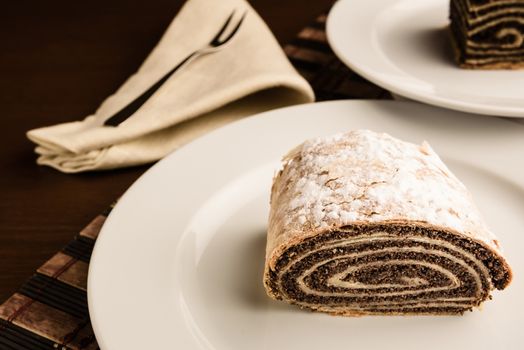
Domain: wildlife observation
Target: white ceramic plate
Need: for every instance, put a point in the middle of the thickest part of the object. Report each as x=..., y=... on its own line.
x=403, y=46
x=178, y=265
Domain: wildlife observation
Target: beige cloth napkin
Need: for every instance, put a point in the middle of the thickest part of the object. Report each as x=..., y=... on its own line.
x=249, y=75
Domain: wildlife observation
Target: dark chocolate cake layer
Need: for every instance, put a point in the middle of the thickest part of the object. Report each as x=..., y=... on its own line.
x=406, y=269
x=488, y=34
x=365, y=224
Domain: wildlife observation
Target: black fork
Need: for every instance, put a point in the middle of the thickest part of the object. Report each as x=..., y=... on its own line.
x=218, y=41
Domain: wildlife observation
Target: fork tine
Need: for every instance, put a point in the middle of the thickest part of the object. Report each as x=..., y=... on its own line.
x=233, y=32
x=221, y=31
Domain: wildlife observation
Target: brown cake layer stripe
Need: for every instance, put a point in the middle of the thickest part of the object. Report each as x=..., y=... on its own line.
x=387, y=268
x=93, y=228
x=474, y=14
x=46, y=321
x=67, y=269
x=488, y=34
x=503, y=32
x=482, y=7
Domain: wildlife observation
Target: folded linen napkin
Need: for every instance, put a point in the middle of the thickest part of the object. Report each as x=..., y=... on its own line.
x=250, y=74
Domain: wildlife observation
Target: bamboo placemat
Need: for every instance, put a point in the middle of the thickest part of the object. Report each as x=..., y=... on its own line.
x=50, y=310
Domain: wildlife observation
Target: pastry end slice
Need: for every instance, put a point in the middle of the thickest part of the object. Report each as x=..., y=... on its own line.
x=488, y=34
x=362, y=223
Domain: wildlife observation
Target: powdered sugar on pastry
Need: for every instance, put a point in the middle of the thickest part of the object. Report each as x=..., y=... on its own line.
x=363, y=176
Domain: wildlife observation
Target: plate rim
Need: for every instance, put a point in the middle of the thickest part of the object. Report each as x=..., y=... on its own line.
x=368, y=73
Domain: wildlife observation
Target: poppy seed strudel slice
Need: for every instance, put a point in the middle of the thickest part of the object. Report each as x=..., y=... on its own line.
x=363, y=223
x=488, y=33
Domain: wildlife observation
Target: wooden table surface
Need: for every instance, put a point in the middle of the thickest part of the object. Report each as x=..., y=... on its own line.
x=58, y=61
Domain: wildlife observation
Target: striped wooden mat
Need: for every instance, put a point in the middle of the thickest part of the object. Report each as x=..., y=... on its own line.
x=50, y=310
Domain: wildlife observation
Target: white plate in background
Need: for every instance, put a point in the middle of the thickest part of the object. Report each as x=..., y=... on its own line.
x=404, y=46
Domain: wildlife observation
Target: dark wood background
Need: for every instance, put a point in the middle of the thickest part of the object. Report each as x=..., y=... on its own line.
x=58, y=61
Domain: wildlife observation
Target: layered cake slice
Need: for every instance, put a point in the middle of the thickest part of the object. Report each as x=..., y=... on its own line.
x=364, y=224
x=488, y=34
